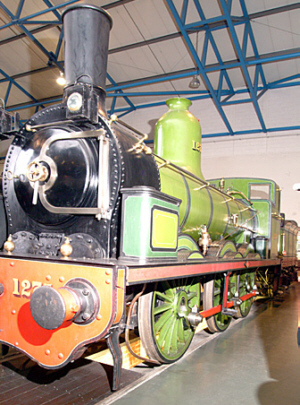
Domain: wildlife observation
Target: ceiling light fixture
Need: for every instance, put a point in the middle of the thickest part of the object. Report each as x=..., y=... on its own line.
x=195, y=82
x=296, y=187
x=61, y=79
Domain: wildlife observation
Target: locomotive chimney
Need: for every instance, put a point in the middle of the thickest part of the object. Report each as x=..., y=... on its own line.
x=86, y=33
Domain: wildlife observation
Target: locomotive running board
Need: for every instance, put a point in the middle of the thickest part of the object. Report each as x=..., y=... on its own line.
x=137, y=274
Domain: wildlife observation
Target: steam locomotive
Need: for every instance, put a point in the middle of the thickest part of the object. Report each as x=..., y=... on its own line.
x=96, y=220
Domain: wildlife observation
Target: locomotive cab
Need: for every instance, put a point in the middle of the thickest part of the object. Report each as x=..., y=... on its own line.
x=264, y=196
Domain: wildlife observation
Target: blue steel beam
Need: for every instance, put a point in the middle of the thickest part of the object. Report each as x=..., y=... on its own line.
x=19, y=10
x=37, y=14
x=24, y=20
x=215, y=23
x=293, y=77
x=253, y=42
x=113, y=104
x=120, y=93
x=215, y=68
x=268, y=58
x=7, y=92
x=35, y=104
x=61, y=35
x=54, y=11
x=220, y=90
x=208, y=34
x=239, y=52
x=200, y=67
x=50, y=55
x=59, y=43
x=283, y=85
x=184, y=9
x=201, y=94
x=212, y=23
x=41, y=22
x=18, y=86
x=253, y=131
x=276, y=10
x=123, y=111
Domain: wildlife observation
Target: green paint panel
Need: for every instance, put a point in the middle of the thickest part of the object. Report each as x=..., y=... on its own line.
x=195, y=255
x=264, y=210
x=164, y=229
x=149, y=224
x=187, y=243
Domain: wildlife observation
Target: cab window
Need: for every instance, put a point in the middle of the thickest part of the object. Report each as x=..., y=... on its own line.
x=260, y=191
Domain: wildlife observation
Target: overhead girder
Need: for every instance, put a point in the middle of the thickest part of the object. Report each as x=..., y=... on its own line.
x=52, y=58
x=250, y=61
x=180, y=21
x=23, y=35
x=222, y=95
x=242, y=55
x=29, y=18
x=119, y=92
x=11, y=82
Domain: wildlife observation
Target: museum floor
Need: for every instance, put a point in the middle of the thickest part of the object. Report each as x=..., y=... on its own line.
x=256, y=361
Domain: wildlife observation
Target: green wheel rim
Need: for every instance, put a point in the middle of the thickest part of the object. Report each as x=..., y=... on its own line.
x=246, y=285
x=172, y=301
x=213, y=296
x=163, y=325
x=222, y=321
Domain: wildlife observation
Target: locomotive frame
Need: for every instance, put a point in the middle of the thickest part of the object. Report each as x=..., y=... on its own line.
x=98, y=223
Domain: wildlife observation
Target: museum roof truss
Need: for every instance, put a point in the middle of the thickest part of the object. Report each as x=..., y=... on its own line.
x=238, y=50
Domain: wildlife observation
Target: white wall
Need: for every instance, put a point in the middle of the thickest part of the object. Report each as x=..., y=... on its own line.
x=275, y=155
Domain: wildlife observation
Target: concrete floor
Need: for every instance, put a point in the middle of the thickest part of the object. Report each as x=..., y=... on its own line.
x=256, y=361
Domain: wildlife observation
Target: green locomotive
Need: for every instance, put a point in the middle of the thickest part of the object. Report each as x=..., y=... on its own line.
x=193, y=220
x=97, y=223
x=241, y=216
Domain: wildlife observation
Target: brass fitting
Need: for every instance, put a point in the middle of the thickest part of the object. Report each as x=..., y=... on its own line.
x=9, y=245
x=205, y=240
x=66, y=248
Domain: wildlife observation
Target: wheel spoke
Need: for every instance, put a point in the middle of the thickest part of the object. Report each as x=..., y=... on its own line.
x=167, y=288
x=162, y=308
x=171, y=338
x=191, y=295
x=163, y=319
x=165, y=329
x=164, y=297
x=181, y=330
